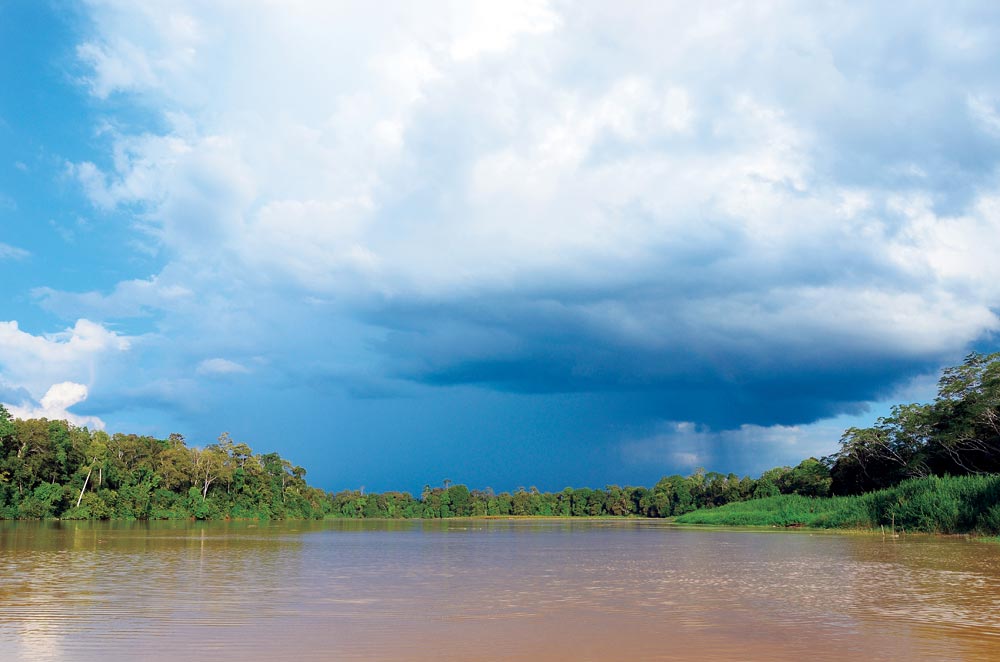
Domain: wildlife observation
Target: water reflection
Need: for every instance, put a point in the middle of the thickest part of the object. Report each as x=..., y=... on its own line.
x=484, y=589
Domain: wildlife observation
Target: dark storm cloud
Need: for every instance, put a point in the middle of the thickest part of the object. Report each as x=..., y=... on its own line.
x=676, y=366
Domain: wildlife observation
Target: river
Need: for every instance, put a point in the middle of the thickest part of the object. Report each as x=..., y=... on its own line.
x=489, y=590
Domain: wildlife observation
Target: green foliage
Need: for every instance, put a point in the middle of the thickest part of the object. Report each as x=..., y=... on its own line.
x=6, y=423
x=955, y=504
x=42, y=502
x=989, y=520
x=957, y=434
x=54, y=469
x=810, y=478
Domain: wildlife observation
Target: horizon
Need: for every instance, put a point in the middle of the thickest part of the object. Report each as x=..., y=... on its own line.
x=580, y=244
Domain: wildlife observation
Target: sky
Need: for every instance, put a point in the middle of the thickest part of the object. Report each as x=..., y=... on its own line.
x=507, y=244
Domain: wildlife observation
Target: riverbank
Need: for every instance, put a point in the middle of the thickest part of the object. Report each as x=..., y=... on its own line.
x=960, y=504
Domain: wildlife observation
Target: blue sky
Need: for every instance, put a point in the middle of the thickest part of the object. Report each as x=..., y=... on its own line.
x=506, y=244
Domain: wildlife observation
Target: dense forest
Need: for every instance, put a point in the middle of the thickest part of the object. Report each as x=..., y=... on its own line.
x=55, y=469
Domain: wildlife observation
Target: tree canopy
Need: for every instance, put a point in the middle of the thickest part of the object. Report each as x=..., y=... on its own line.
x=957, y=434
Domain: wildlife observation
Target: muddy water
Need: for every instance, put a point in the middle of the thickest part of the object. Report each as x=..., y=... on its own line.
x=489, y=590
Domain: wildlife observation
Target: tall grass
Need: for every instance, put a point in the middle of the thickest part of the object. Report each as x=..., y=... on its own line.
x=959, y=504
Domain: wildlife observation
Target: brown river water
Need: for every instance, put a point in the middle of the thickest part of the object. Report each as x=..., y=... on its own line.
x=489, y=590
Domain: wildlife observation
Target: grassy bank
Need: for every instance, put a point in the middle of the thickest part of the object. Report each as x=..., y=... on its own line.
x=960, y=504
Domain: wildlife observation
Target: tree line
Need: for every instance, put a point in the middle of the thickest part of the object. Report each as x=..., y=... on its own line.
x=55, y=469
x=672, y=495
x=955, y=435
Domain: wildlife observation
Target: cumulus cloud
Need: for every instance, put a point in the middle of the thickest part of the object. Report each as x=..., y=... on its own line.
x=55, y=404
x=750, y=214
x=35, y=362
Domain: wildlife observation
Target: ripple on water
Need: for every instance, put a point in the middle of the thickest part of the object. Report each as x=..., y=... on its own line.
x=496, y=591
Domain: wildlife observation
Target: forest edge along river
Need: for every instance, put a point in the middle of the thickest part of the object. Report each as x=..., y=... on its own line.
x=489, y=590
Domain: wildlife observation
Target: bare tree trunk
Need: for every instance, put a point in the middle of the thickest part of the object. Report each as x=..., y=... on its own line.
x=85, y=481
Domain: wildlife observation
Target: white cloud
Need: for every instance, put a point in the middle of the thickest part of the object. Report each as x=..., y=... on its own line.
x=957, y=250
x=984, y=111
x=684, y=445
x=130, y=298
x=54, y=405
x=36, y=362
x=218, y=366
x=484, y=27
x=8, y=252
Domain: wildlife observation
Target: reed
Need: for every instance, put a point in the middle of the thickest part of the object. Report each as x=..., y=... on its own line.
x=935, y=504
